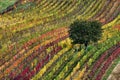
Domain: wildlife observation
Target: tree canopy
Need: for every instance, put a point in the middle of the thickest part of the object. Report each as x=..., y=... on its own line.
x=83, y=32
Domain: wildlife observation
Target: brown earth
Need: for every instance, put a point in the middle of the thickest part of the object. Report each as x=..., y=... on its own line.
x=117, y=26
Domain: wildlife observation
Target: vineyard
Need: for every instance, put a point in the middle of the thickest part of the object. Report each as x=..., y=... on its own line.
x=35, y=43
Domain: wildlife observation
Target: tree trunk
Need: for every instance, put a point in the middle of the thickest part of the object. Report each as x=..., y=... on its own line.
x=86, y=44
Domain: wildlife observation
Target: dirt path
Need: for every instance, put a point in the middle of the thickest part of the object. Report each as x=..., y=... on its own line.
x=115, y=75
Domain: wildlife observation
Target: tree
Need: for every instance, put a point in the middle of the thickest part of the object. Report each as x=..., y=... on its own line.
x=84, y=32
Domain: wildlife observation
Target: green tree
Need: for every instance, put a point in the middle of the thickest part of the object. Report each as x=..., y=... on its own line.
x=84, y=32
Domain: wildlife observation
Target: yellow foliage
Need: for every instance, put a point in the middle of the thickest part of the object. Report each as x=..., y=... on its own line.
x=81, y=74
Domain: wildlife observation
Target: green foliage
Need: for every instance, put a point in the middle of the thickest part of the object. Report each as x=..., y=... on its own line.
x=84, y=32
x=6, y=3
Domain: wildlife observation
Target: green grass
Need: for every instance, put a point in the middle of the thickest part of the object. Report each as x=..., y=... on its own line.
x=6, y=3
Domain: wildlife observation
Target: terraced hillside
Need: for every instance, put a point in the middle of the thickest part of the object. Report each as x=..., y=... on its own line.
x=35, y=44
